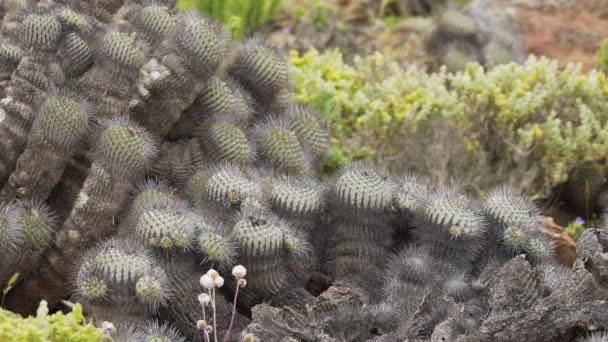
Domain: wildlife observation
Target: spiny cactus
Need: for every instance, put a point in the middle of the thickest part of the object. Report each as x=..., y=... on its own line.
x=125, y=148
x=167, y=228
x=514, y=222
x=10, y=56
x=454, y=22
x=77, y=53
x=223, y=185
x=9, y=228
x=219, y=97
x=309, y=127
x=29, y=226
x=215, y=245
x=224, y=140
x=37, y=224
x=41, y=31
x=204, y=40
x=264, y=73
x=152, y=193
x=297, y=197
x=61, y=124
x=452, y=225
x=362, y=187
x=156, y=22
x=123, y=50
x=73, y=20
x=280, y=147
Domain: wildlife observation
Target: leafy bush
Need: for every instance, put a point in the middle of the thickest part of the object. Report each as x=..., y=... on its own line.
x=531, y=124
x=57, y=327
x=241, y=16
x=602, y=56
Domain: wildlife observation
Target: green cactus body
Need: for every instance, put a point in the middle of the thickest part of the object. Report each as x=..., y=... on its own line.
x=227, y=142
x=307, y=124
x=297, y=197
x=152, y=290
x=539, y=249
x=227, y=185
x=152, y=194
x=61, y=124
x=121, y=264
x=123, y=50
x=156, y=21
x=295, y=242
x=90, y=287
x=224, y=96
x=77, y=55
x=213, y=242
x=204, y=41
x=258, y=236
x=411, y=191
x=454, y=22
x=155, y=332
x=511, y=207
x=362, y=187
x=40, y=31
x=195, y=186
x=73, y=20
x=220, y=99
x=10, y=230
x=260, y=239
x=62, y=121
x=263, y=72
x=280, y=148
x=125, y=148
x=165, y=228
x=452, y=226
x=37, y=224
x=10, y=55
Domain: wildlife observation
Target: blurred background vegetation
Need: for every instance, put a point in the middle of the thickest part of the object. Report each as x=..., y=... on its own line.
x=448, y=89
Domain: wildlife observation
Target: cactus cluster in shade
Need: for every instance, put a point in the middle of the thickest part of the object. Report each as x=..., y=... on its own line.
x=466, y=36
x=143, y=147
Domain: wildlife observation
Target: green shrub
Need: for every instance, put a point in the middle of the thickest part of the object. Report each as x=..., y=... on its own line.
x=57, y=327
x=240, y=16
x=530, y=124
x=602, y=56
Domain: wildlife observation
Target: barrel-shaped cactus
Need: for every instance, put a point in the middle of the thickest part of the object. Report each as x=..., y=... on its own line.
x=125, y=147
x=203, y=40
x=122, y=49
x=40, y=31
x=452, y=225
x=263, y=72
x=363, y=187
x=279, y=147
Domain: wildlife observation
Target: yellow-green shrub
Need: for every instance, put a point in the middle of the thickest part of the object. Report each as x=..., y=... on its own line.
x=529, y=124
x=57, y=327
x=602, y=56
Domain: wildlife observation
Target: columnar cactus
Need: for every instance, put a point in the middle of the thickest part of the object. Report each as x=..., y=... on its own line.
x=61, y=124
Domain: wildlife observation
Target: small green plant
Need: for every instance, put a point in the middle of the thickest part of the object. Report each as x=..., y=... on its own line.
x=577, y=227
x=58, y=327
x=240, y=16
x=9, y=286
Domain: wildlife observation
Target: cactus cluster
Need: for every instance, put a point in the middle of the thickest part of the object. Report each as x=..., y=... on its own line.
x=465, y=36
x=159, y=153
